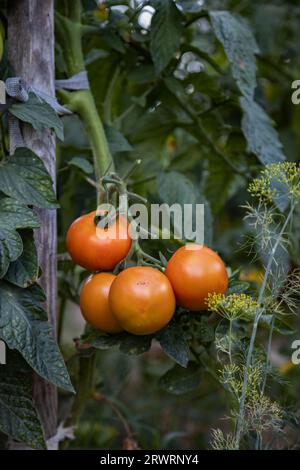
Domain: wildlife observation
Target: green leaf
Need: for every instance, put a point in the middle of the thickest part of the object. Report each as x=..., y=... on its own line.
x=204, y=331
x=269, y=21
x=75, y=133
x=82, y=163
x=25, y=270
x=39, y=114
x=154, y=124
x=99, y=340
x=190, y=6
x=173, y=188
x=142, y=74
x=18, y=417
x=24, y=177
x=116, y=140
x=179, y=380
x=95, y=54
x=21, y=328
x=165, y=34
x=173, y=343
x=13, y=216
x=220, y=183
x=113, y=40
x=134, y=345
x=139, y=100
x=261, y=137
x=10, y=248
x=240, y=47
x=128, y=343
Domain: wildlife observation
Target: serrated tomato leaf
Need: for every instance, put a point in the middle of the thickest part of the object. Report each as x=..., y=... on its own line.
x=174, y=344
x=116, y=140
x=260, y=134
x=179, y=380
x=13, y=216
x=82, y=164
x=135, y=345
x=166, y=28
x=240, y=47
x=128, y=343
x=18, y=417
x=24, y=177
x=25, y=270
x=21, y=328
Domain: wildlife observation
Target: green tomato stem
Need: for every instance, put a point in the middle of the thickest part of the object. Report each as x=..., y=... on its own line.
x=69, y=31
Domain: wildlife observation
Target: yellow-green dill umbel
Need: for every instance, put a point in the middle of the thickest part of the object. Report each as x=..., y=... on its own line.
x=232, y=306
x=286, y=174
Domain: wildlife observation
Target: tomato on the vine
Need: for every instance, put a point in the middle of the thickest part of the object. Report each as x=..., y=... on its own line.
x=195, y=271
x=94, y=303
x=98, y=248
x=142, y=300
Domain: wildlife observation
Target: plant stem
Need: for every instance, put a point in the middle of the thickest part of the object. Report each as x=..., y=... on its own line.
x=204, y=56
x=268, y=354
x=118, y=413
x=107, y=105
x=69, y=30
x=258, y=315
x=230, y=341
x=258, y=442
x=82, y=102
x=84, y=390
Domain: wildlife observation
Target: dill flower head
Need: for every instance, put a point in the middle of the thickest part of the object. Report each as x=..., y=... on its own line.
x=274, y=176
x=232, y=306
x=262, y=414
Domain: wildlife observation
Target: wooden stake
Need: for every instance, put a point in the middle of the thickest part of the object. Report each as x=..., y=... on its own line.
x=31, y=55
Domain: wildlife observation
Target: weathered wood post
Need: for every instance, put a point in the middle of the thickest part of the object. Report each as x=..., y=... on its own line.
x=31, y=55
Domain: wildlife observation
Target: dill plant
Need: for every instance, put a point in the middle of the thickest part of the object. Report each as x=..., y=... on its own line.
x=245, y=362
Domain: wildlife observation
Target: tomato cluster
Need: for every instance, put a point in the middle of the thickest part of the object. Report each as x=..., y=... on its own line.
x=140, y=299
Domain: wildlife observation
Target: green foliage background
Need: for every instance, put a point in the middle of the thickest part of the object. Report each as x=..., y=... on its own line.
x=203, y=98
x=201, y=121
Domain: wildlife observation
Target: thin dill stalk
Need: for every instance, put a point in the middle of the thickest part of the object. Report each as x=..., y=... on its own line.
x=258, y=437
x=230, y=341
x=268, y=354
x=258, y=443
x=258, y=315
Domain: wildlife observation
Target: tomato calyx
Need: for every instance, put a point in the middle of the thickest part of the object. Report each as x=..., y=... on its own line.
x=106, y=219
x=100, y=218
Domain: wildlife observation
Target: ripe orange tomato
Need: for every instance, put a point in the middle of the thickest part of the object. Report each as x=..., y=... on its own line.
x=194, y=271
x=96, y=248
x=142, y=300
x=94, y=303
